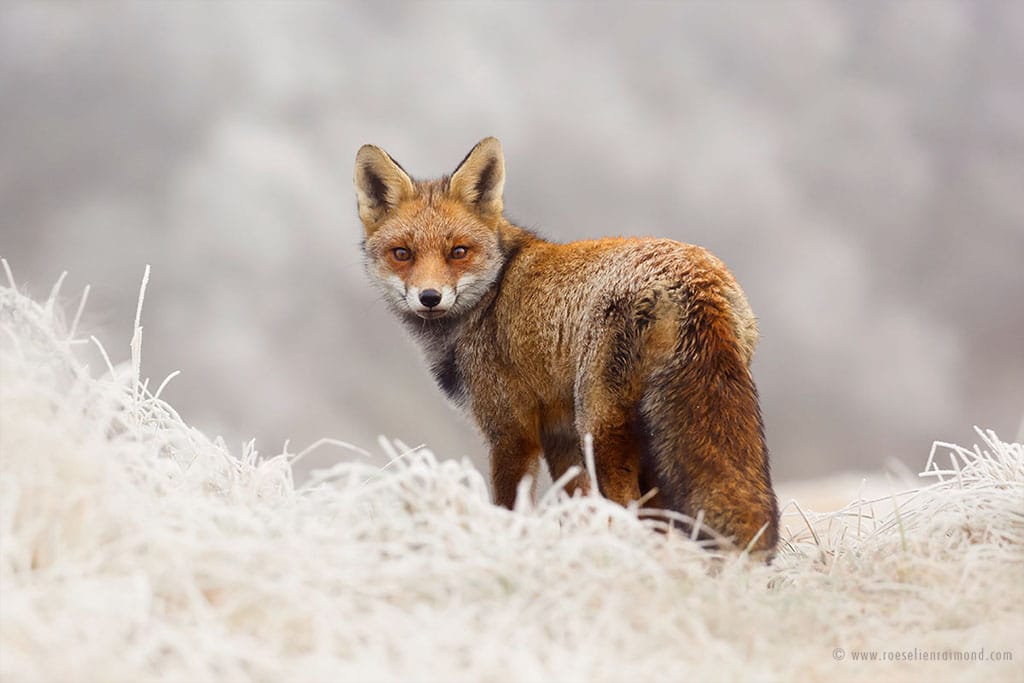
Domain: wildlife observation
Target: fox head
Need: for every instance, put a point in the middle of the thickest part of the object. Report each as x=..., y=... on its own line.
x=433, y=247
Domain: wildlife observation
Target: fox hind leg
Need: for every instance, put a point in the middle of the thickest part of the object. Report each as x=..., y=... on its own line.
x=617, y=446
x=608, y=392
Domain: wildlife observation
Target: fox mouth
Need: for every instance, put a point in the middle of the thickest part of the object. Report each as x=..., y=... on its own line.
x=431, y=314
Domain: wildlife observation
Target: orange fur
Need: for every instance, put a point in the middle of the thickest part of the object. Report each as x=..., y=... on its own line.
x=644, y=343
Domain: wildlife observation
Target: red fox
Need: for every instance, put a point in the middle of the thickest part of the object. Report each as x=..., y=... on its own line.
x=645, y=344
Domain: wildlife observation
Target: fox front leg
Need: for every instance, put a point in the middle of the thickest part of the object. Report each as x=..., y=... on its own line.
x=513, y=456
x=561, y=451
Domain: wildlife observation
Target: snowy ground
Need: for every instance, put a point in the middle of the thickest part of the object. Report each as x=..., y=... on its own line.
x=135, y=548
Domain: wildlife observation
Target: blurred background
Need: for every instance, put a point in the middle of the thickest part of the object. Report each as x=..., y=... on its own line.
x=859, y=166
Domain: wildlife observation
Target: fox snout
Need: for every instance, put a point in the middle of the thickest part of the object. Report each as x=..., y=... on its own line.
x=430, y=297
x=430, y=302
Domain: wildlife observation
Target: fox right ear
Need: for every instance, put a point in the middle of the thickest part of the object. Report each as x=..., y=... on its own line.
x=479, y=179
x=381, y=185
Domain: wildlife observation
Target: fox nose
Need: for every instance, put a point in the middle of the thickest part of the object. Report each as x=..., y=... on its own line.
x=430, y=297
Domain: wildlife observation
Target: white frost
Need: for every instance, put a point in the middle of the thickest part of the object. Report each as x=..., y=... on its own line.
x=135, y=548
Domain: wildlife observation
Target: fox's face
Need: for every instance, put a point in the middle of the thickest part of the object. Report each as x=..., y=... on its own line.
x=432, y=247
x=433, y=257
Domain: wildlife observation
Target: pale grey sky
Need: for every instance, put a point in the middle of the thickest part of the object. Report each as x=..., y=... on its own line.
x=857, y=165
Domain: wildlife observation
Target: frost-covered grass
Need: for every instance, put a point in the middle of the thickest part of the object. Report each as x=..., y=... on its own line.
x=135, y=548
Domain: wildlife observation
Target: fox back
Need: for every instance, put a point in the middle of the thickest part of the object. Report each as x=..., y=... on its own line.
x=644, y=344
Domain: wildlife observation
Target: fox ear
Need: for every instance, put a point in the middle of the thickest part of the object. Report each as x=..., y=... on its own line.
x=381, y=185
x=480, y=178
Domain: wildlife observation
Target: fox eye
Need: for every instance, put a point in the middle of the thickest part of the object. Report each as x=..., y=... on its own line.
x=459, y=252
x=400, y=253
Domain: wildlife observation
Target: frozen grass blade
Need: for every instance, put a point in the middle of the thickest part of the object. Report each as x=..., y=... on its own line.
x=73, y=330
x=51, y=301
x=10, y=275
x=136, y=343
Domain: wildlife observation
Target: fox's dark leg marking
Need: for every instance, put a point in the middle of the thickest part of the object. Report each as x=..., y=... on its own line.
x=648, y=465
x=562, y=451
x=510, y=462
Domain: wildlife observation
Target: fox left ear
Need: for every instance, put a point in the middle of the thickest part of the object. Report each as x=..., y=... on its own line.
x=480, y=178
